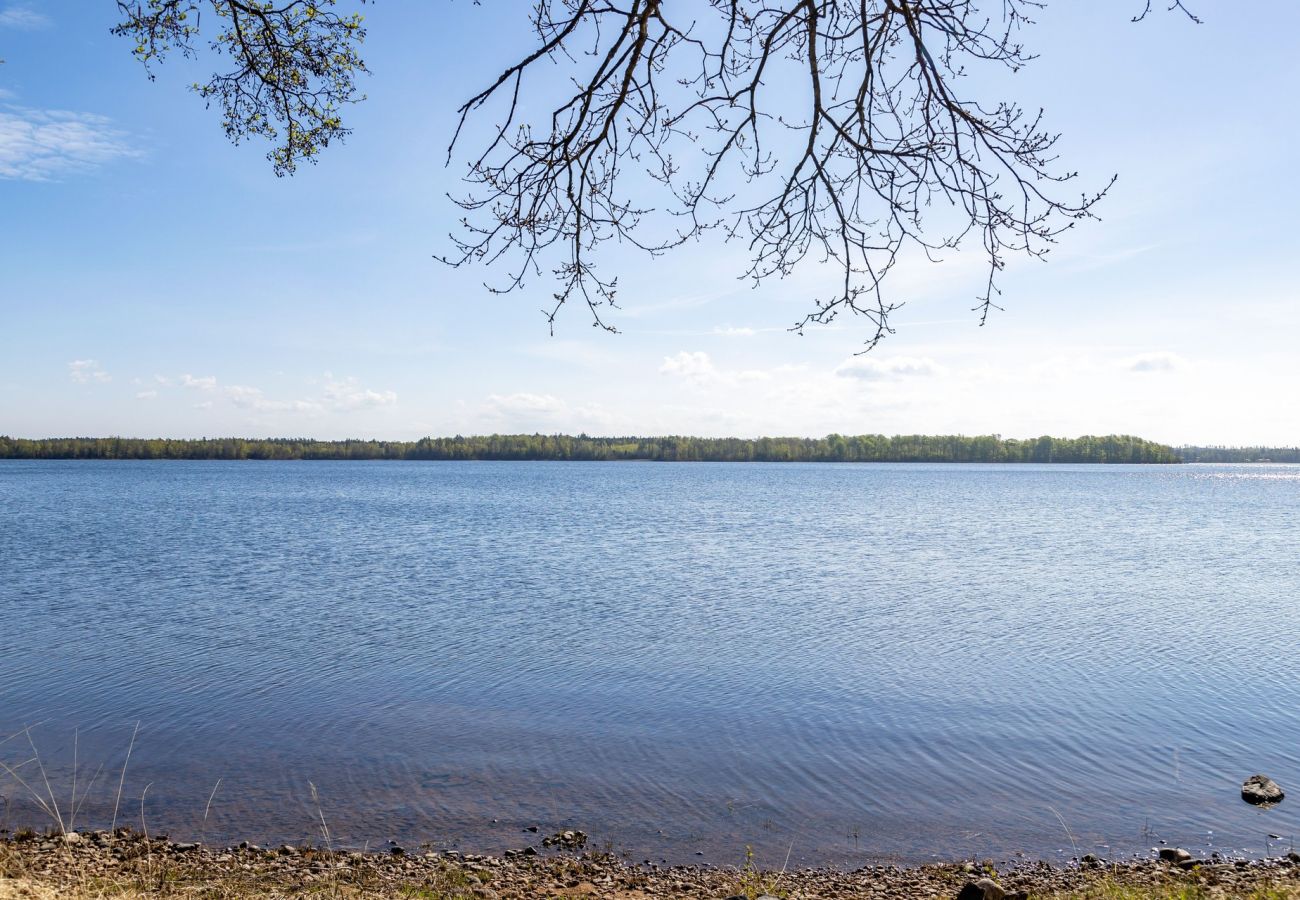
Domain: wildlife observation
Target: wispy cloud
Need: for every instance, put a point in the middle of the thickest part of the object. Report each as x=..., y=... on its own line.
x=697, y=368
x=84, y=371
x=336, y=395
x=1162, y=361
x=206, y=383
x=44, y=145
x=524, y=402
x=23, y=17
x=347, y=394
x=527, y=411
x=253, y=399
x=147, y=395
x=871, y=368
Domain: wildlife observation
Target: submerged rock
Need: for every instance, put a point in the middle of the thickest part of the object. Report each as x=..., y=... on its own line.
x=566, y=840
x=1259, y=789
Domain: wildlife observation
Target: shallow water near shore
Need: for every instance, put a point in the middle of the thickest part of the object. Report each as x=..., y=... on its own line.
x=836, y=662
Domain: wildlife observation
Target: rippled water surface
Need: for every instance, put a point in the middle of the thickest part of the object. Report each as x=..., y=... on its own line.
x=839, y=662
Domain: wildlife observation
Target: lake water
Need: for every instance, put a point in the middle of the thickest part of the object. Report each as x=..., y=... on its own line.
x=841, y=663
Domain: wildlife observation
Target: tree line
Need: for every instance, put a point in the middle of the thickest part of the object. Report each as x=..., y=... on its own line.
x=1239, y=454
x=832, y=448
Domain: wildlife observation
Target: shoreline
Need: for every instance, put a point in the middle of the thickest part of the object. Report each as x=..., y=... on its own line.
x=128, y=864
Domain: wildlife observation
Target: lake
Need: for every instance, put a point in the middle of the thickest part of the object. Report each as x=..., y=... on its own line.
x=838, y=663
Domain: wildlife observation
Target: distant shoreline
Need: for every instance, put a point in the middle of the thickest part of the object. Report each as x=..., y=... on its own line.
x=1104, y=449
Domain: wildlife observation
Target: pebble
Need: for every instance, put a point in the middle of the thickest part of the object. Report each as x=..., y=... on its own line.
x=45, y=860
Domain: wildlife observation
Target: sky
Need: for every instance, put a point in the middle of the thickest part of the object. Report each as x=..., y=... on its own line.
x=157, y=281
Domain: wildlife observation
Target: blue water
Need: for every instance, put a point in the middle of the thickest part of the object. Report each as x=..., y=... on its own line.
x=837, y=662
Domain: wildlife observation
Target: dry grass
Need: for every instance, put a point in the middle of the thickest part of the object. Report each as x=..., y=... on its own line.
x=1111, y=890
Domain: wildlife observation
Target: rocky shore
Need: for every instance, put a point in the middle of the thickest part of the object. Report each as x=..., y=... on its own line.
x=129, y=865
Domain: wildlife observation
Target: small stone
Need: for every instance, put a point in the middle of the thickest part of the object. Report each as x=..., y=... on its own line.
x=186, y=848
x=1090, y=861
x=397, y=851
x=530, y=851
x=1174, y=854
x=1260, y=789
x=984, y=889
x=72, y=838
x=532, y=828
x=566, y=840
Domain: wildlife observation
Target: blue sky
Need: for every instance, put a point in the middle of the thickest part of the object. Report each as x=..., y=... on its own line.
x=155, y=280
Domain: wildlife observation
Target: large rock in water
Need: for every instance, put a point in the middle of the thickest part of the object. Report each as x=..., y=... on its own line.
x=1259, y=789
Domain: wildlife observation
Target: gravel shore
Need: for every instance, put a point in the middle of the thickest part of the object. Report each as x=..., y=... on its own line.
x=128, y=865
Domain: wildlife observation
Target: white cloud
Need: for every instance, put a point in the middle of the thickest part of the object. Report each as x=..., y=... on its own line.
x=147, y=395
x=696, y=366
x=531, y=404
x=526, y=411
x=871, y=368
x=347, y=394
x=337, y=395
x=1161, y=361
x=84, y=371
x=735, y=332
x=252, y=398
x=23, y=18
x=206, y=383
x=42, y=145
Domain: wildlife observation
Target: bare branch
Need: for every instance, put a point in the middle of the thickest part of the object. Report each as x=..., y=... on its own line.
x=881, y=153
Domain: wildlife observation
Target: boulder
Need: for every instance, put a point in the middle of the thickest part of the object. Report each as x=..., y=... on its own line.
x=1259, y=789
x=1174, y=855
x=984, y=889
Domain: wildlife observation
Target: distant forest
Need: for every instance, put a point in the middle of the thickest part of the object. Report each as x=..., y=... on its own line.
x=1239, y=454
x=832, y=448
